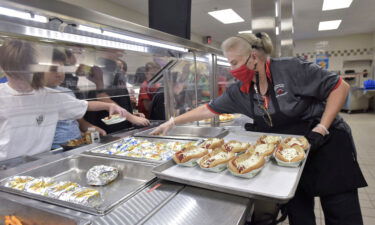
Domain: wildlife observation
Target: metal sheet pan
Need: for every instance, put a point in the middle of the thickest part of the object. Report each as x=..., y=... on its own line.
x=31, y=215
x=158, y=139
x=273, y=183
x=187, y=133
x=133, y=177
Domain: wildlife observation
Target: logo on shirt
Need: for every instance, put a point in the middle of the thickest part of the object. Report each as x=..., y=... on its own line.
x=39, y=120
x=280, y=90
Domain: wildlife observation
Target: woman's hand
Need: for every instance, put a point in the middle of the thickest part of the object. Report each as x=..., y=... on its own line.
x=164, y=128
x=139, y=121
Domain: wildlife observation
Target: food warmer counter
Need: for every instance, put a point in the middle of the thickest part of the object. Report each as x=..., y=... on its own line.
x=148, y=201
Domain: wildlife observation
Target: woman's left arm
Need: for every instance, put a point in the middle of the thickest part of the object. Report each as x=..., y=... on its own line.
x=335, y=101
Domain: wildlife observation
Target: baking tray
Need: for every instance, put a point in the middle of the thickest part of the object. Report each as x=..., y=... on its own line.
x=158, y=139
x=273, y=183
x=187, y=133
x=133, y=177
x=31, y=215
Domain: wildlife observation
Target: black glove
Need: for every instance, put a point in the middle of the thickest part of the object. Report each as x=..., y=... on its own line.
x=316, y=140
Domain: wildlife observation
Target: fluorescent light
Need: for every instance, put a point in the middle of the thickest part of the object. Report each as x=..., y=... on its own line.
x=277, y=30
x=222, y=58
x=56, y=35
x=89, y=29
x=329, y=25
x=22, y=15
x=336, y=4
x=226, y=16
x=221, y=63
x=245, y=32
x=276, y=10
x=143, y=41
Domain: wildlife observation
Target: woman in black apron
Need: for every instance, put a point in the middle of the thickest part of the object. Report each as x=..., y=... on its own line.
x=292, y=96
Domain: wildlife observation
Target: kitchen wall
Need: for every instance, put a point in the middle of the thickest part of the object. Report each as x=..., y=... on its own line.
x=355, y=52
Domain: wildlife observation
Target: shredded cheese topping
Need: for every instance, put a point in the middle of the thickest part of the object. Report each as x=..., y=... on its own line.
x=251, y=161
x=262, y=148
x=289, y=153
x=272, y=139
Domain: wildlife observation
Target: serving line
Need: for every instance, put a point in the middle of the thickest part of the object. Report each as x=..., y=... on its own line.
x=151, y=201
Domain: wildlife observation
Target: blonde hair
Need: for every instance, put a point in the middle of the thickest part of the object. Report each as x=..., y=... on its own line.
x=244, y=43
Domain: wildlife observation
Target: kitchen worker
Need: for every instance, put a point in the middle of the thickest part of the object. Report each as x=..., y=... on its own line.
x=293, y=96
x=29, y=111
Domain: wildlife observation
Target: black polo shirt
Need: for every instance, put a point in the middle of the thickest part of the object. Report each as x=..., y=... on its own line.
x=301, y=89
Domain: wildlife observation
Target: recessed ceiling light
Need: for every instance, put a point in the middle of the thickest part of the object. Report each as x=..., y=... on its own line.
x=245, y=32
x=329, y=25
x=336, y=4
x=226, y=16
x=277, y=30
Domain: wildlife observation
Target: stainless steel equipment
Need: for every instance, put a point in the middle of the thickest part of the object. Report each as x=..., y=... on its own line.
x=30, y=215
x=133, y=178
x=188, y=133
x=186, y=208
x=14, y=162
x=274, y=183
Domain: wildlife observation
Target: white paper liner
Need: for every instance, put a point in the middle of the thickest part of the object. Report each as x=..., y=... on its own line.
x=287, y=164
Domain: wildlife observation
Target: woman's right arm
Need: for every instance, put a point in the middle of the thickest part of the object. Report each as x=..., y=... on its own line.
x=200, y=113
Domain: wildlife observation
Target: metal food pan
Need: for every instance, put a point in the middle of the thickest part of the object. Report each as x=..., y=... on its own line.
x=187, y=133
x=133, y=177
x=274, y=183
x=31, y=215
x=157, y=139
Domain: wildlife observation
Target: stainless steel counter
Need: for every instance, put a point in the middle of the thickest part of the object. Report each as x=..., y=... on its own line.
x=162, y=202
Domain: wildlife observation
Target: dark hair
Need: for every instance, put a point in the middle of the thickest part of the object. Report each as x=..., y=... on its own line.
x=58, y=56
x=151, y=65
x=16, y=56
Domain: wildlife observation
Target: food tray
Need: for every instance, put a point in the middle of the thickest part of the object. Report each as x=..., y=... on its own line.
x=273, y=183
x=159, y=139
x=187, y=133
x=133, y=177
x=31, y=215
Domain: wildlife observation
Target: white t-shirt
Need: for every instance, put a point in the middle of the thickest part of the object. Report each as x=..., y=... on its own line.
x=28, y=121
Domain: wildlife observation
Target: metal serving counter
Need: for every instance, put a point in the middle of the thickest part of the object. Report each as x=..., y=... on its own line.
x=162, y=202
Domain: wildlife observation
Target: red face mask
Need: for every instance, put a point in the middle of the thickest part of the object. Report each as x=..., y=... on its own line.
x=245, y=75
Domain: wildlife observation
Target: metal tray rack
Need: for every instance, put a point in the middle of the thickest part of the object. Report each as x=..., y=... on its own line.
x=133, y=178
x=157, y=139
x=273, y=183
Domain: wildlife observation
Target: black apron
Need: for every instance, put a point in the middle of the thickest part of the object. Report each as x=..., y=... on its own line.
x=333, y=168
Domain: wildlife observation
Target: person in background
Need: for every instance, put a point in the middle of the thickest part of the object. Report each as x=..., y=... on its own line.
x=30, y=111
x=116, y=93
x=66, y=130
x=146, y=92
x=3, y=78
x=293, y=96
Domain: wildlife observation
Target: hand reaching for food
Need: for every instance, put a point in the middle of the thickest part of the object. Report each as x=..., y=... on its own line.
x=164, y=128
x=115, y=109
x=137, y=120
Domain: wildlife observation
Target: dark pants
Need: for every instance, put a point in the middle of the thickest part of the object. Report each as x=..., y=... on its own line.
x=339, y=209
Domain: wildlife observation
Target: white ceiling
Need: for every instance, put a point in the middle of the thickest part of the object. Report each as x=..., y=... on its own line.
x=359, y=18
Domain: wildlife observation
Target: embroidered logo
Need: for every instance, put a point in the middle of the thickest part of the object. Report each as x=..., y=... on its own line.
x=280, y=90
x=39, y=120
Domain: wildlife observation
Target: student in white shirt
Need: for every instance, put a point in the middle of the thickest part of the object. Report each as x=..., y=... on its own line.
x=29, y=112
